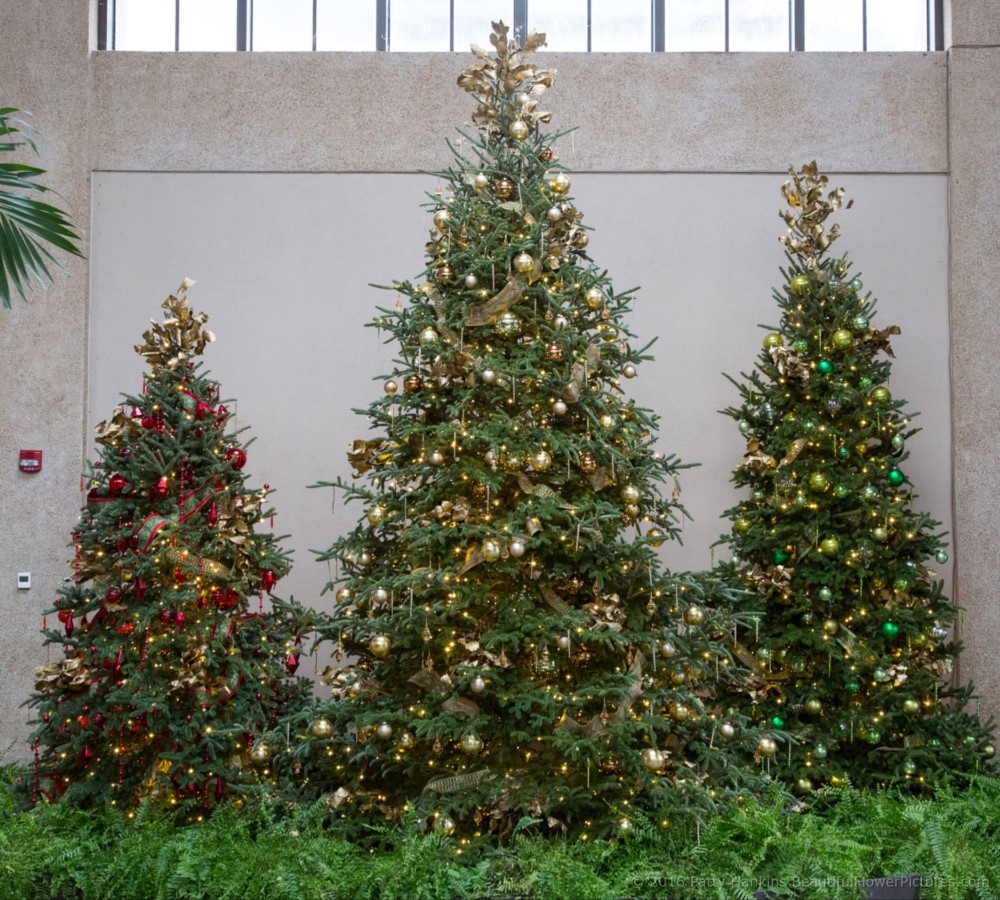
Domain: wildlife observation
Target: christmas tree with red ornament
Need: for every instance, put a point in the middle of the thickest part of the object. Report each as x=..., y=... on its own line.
x=169, y=663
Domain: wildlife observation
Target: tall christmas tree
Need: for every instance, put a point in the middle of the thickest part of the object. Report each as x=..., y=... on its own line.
x=852, y=655
x=170, y=665
x=509, y=645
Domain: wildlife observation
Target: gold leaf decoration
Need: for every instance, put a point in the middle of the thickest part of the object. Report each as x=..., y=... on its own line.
x=755, y=460
x=180, y=336
x=68, y=674
x=486, y=312
x=877, y=339
x=807, y=235
x=789, y=363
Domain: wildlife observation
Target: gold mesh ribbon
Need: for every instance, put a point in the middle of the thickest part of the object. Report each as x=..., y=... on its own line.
x=451, y=784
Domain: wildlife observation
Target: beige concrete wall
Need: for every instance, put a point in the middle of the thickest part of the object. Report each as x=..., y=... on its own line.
x=882, y=120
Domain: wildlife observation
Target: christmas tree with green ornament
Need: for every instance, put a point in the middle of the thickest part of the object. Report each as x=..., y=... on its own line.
x=169, y=666
x=852, y=654
x=507, y=644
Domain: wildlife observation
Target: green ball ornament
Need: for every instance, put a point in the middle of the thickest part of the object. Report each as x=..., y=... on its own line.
x=861, y=323
x=799, y=285
x=910, y=706
x=856, y=284
x=869, y=492
x=852, y=686
x=890, y=630
x=773, y=340
x=910, y=767
x=864, y=383
x=830, y=626
x=989, y=751
x=742, y=525
x=941, y=556
x=800, y=346
x=934, y=742
x=809, y=426
x=813, y=706
x=880, y=675
x=895, y=477
x=780, y=557
x=873, y=736
x=803, y=785
x=825, y=594
x=843, y=452
x=743, y=425
x=818, y=482
x=757, y=495
x=820, y=751
x=764, y=654
x=901, y=584
x=829, y=546
x=842, y=339
x=841, y=491
x=824, y=367
x=880, y=535
x=898, y=442
x=800, y=500
x=880, y=395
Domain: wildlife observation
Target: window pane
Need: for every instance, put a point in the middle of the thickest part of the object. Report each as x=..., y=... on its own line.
x=759, y=25
x=345, y=25
x=207, y=25
x=695, y=25
x=282, y=25
x=621, y=26
x=833, y=25
x=473, y=18
x=564, y=23
x=420, y=26
x=897, y=24
x=144, y=25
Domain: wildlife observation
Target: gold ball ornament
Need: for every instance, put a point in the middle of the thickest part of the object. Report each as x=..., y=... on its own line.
x=559, y=408
x=630, y=493
x=380, y=645
x=830, y=626
x=379, y=595
x=554, y=352
x=594, y=298
x=609, y=333
x=503, y=188
x=516, y=548
x=428, y=337
x=390, y=387
x=480, y=181
x=321, y=728
x=813, y=706
x=727, y=730
x=554, y=214
x=444, y=825
x=344, y=595
x=677, y=677
x=541, y=461
x=441, y=217
x=436, y=458
x=767, y=746
x=564, y=642
x=560, y=184
x=910, y=706
x=376, y=515
x=546, y=154
x=989, y=751
x=680, y=711
x=773, y=340
x=384, y=731
x=694, y=615
x=412, y=384
x=560, y=322
x=653, y=760
x=471, y=743
x=629, y=371
x=407, y=741
x=471, y=281
x=261, y=753
x=508, y=325
x=491, y=551
x=842, y=339
x=518, y=130
x=588, y=462
x=478, y=684
x=523, y=262
x=445, y=272
x=488, y=376
x=575, y=583
x=655, y=537
x=803, y=785
x=667, y=649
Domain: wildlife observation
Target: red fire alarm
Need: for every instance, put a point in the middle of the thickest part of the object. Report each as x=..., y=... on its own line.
x=30, y=461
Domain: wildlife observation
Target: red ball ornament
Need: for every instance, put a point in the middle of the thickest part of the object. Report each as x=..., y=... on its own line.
x=201, y=409
x=113, y=596
x=117, y=484
x=64, y=615
x=166, y=616
x=236, y=457
x=180, y=576
x=125, y=628
x=268, y=579
x=148, y=422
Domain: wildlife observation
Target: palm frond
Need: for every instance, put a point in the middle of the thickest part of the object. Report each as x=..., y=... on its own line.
x=28, y=226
